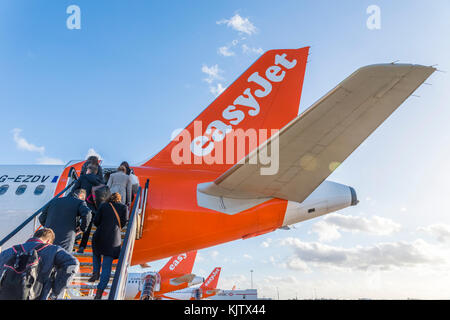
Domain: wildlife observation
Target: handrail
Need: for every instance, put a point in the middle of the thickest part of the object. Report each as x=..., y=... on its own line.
x=143, y=207
x=120, y=277
x=30, y=218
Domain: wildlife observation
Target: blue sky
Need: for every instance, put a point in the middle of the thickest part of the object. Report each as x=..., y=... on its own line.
x=135, y=72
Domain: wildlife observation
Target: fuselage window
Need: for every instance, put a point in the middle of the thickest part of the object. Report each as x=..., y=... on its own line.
x=39, y=189
x=3, y=189
x=21, y=189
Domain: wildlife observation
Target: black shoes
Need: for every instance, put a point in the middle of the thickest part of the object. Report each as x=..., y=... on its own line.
x=95, y=277
x=98, y=294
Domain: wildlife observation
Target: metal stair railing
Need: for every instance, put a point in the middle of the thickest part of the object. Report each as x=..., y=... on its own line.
x=72, y=174
x=117, y=291
x=141, y=212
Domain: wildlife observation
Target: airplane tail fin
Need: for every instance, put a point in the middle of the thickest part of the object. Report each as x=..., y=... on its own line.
x=212, y=280
x=179, y=265
x=262, y=100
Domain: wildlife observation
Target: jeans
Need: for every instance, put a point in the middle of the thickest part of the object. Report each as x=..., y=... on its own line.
x=106, y=269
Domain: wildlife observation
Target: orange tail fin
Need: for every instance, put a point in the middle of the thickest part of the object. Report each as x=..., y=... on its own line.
x=266, y=96
x=212, y=280
x=179, y=265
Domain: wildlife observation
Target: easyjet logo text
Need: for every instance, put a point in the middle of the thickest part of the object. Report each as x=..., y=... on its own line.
x=216, y=130
x=177, y=261
x=212, y=277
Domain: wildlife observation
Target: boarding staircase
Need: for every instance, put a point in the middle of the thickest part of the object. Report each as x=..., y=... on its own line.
x=80, y=288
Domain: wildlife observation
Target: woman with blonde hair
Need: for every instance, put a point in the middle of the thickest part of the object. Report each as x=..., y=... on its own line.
x=111, y=217
x=121, y=183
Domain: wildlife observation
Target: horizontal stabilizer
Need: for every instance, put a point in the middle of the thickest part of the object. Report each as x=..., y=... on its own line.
x=187, y=278
x=314, y=144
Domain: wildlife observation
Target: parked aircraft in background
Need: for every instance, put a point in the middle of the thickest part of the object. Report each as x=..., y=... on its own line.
x=175, y=275
x=207, y=290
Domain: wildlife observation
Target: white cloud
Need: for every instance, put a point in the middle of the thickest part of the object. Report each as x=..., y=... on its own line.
x=23, y=144
x=326, y=232
x=227, y=282
x=266, y=243
x=247, y=256
x=381, y=256
x=439, y=230
x=328, y=229
x=225, y=51
x=249, y=50
x=200, y=257
x=214, y=254
x=239, y=24
x=92, y=152
x=297, y=265
x=49, y=160
x=213, y=73
x=217, y=89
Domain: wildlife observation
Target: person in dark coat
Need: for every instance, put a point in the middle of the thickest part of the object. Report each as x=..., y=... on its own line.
x=95, y=161
x=102, y=195
x=86, y=182
x=62, y=216
x=53, y=258
x=111, y=217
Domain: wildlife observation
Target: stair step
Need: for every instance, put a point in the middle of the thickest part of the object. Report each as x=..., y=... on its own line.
x=93, y=230
x=80, y=282
x=77, y=278
x=88, y=275
x=82, y=298
x=85, y=286
x=89, y=264
x=84, y=254
x=76, y=246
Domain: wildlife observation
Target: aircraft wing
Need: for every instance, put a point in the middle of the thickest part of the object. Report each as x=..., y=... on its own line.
x=313, y=144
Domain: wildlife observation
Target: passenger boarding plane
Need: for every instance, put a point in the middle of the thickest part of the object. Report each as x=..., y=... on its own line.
x=207, y=290
x=175, y=275
x=202, y=192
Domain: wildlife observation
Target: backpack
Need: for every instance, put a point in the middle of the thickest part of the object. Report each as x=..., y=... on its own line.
x=20, y=272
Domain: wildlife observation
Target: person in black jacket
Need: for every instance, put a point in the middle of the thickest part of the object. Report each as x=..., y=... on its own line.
x=62, y=216
x=94, y=161
x=111, y=217
x=86, y=182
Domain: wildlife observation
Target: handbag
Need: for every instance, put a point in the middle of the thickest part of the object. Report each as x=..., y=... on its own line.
x=117, y=216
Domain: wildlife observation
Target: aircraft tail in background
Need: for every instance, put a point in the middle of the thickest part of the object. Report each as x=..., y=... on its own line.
x=179, y=265
x=212, y=280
